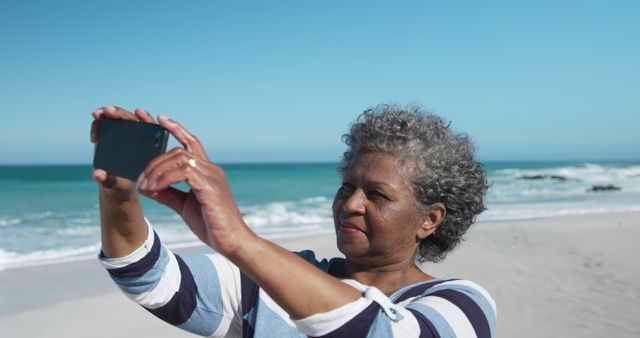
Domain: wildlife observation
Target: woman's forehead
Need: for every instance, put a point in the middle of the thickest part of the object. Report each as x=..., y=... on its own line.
x=376, y=167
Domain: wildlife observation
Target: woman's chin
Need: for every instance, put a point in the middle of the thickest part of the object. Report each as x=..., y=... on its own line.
x=350, y=246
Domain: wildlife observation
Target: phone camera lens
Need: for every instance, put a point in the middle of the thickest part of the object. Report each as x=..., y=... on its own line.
x=158, y=137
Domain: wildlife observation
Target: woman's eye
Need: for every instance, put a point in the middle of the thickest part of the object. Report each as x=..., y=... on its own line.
x=377, y=194
x=346, y=188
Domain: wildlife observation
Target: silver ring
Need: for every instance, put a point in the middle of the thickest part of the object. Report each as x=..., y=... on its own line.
x=192, y=162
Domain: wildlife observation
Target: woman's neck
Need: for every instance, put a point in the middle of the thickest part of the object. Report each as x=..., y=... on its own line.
x=389, y=278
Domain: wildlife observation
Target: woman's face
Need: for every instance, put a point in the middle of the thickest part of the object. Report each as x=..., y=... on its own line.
x=375, y=212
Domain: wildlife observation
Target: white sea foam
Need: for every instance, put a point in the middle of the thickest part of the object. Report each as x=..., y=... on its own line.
x=313, y=200
x=508, y=185
x=84, y=220
x=512, y=197
x=289, y=215
x=588, y=173
x=10, y=259
x=271, y=220
x=46, y=216
x=10, y=221
x=24, y=218
x=78, y=231
x=175, y=235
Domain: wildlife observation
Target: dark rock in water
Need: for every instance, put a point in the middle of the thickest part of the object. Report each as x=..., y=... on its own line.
x=607, y=187
x=543, y=177
x=533, y=177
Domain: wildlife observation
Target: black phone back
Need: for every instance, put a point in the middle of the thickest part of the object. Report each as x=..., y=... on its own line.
x=124, y=148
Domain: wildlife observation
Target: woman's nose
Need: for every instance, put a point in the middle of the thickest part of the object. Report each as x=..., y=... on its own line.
x=355, y=202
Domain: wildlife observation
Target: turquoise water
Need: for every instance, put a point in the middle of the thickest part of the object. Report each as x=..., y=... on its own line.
x=50, y=213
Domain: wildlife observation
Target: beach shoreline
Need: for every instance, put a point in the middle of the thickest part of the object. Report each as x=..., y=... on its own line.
x=565, y=276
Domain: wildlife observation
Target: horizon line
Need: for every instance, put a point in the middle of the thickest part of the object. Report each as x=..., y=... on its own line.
x=483, y=161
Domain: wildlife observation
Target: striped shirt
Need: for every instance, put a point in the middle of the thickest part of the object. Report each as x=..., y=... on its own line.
x=209, y=296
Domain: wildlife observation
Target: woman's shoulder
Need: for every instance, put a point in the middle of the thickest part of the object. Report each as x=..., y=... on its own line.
x=441, y=286
x=457, y=302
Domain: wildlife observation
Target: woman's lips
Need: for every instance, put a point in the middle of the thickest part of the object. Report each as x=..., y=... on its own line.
x=349, y=229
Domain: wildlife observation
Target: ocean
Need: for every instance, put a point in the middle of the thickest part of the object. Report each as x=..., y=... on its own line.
x=49, y=214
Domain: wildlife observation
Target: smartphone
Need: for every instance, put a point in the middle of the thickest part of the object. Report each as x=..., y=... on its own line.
x=124, y=148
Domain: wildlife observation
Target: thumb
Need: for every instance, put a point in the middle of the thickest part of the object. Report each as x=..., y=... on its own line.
x=99, y=175
x=104, y=179
x=171, y=197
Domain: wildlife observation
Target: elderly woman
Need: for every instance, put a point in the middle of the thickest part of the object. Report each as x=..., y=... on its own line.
x=410, y=190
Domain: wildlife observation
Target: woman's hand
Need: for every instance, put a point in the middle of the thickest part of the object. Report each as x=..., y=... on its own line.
x=109, y=183
x=209, y=208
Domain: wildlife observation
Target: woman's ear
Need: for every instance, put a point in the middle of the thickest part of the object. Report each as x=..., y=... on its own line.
x=433, y=218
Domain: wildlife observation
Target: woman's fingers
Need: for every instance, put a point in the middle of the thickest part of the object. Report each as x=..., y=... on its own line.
x=177, y=157
x=116, y=113
x=188, y=140
x=95, y=128
x=167, y=169
x=113, y=112
x=155, y=163
x=173, y=176
x=143, y=116
x=171, y=197
x=95, y=125
x=174, y=167
x=97, y=114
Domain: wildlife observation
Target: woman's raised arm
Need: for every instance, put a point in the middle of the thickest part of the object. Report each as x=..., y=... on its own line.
x=122, y=223
x=210, y=210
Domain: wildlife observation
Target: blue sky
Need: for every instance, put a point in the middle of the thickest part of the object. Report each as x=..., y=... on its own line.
x=281, y=80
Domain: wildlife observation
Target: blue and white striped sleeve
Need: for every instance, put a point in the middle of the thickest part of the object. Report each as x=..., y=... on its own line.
x=453, y=308
x=199, y=293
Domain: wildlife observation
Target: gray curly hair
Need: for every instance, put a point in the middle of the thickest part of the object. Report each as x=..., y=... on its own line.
x=441, y=162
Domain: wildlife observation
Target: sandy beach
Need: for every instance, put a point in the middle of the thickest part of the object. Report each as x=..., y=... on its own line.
x=571, y=276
